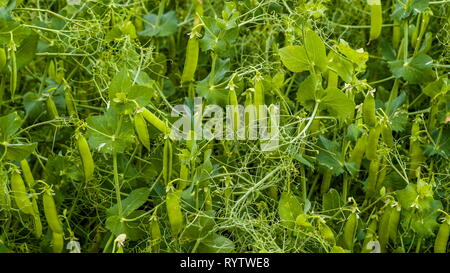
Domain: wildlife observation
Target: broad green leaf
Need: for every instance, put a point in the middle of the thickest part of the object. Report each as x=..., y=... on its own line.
x=110, y=133
x=289, y=208
x=134, y=200
x=330, y=156
x=216, y=243
x=295, y=58
x=59, y=169
x=34, y=105
x=406, y=8
x=315, y=48
x=119, y=84
x=219, y=35
x=436, y=87
x=308, y=90
x=359, y=57
x=337, y=103
x=407, y=196
x=341, y=66
x=210, y=90
x=425, y=222
x=118, y=226
x=17, y=152
x=416, y=70
x=166, y=26
x=9, y=125
x=440, y=145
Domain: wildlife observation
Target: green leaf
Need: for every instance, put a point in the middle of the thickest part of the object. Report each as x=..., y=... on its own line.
x=166, y=26
x=103, y=133
x=359, y=57
x=308, y=90
x=407, y=196
x=316, y=51
x=27, y=50
x=210, y=90
x=295, y=58
x=439, y=86
x=59, y=169
x=289, y=208
x=117, y=226
x=425, y=222
x=440, y=145
x=341, y=66
x=216, y=243
x=9, y=125
x=416, y=70
x=119, y=84
x=219, y=35
x=337, y=103
x=134, y=200
x=406, y=8
x=17, y=152
x=33, y=104
x=330, y=156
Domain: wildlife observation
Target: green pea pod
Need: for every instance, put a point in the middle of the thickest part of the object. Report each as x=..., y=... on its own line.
x=51, y=108
x=372, y=143
x=174, y=212
x=167, y=161
x=27, y=174
x=376, y=18
x=396, y=34
x=70, y=104
x=358, y=151
x=233, y=101
x=372, y=178
x=140, y=126
x=156, y=234
x=383, y=228
x=86, y=157
x=20, y=194
x=326, y=181
x=394, y=220
x=327, y=233
x=13, y=76
x=350, y=231
x=415, y=150
x=5, y=198
x=370, y=235
x=57, y=242
x=441, y=241
x=155, y=121
x=2, y=59
x=386, y=133
x=190, y=64
x=368, y=110
x=51, y=213
x=258, y=99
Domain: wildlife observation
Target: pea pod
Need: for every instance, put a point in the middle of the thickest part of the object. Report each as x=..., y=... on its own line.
x=13, y=76
x=370, y=235
x=174, y=212
x=372, y=143
x=358, y=151
x=258, y=99
x=372, y=178
x=70, y=104
x=350, y=231
x=155, y=121
x=396, y=34
x=386, y=133
x=394, y=220
x=190, y=63
x=376, y=18
x=383, y=228
x=167, y=161
x=441, y=241
x=233, y=101
x=326, y=181
x=51, y=213
x=86, y=157
x=368, y=110
x=20, y=194
x=415, y=149
x=29, y=179
x=51, y=108
x=327, y=233
x=27, y=174
x=57, y=242
x=156, y=234
x=140, y=126
x=2, y=58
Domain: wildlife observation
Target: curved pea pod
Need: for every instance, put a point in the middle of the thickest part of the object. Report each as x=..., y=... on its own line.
x=174, y=212
x=141, y=129
x=394, y=220
x=383, y=169
x=156, y=234
x=415, y=150
x=358, y=151
x=326, y=181
x=327, y=233
x=376, y=18
x=20, y=194
x=86, y=157
x=368, y=110
x=27, y=174
x=372, y=178
x=372, y=143
x=2, y=59
x=258, y=99
x=51, y=108
x=386, y=133
x=70, y=104
x=190, y=63
x=57, y=242
x=383, y=228
x=167, y=161
x=51, y=213
x=350, y=231
x=370, y=236
x=155, y=121
x=441, y=241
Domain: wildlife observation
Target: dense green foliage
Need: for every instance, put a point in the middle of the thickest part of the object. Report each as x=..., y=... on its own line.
x=86, y=92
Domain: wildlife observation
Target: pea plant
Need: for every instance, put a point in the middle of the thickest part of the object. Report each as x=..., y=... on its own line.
x=88, y=92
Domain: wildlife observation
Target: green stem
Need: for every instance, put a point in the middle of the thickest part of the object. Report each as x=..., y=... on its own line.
x=116, y=184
